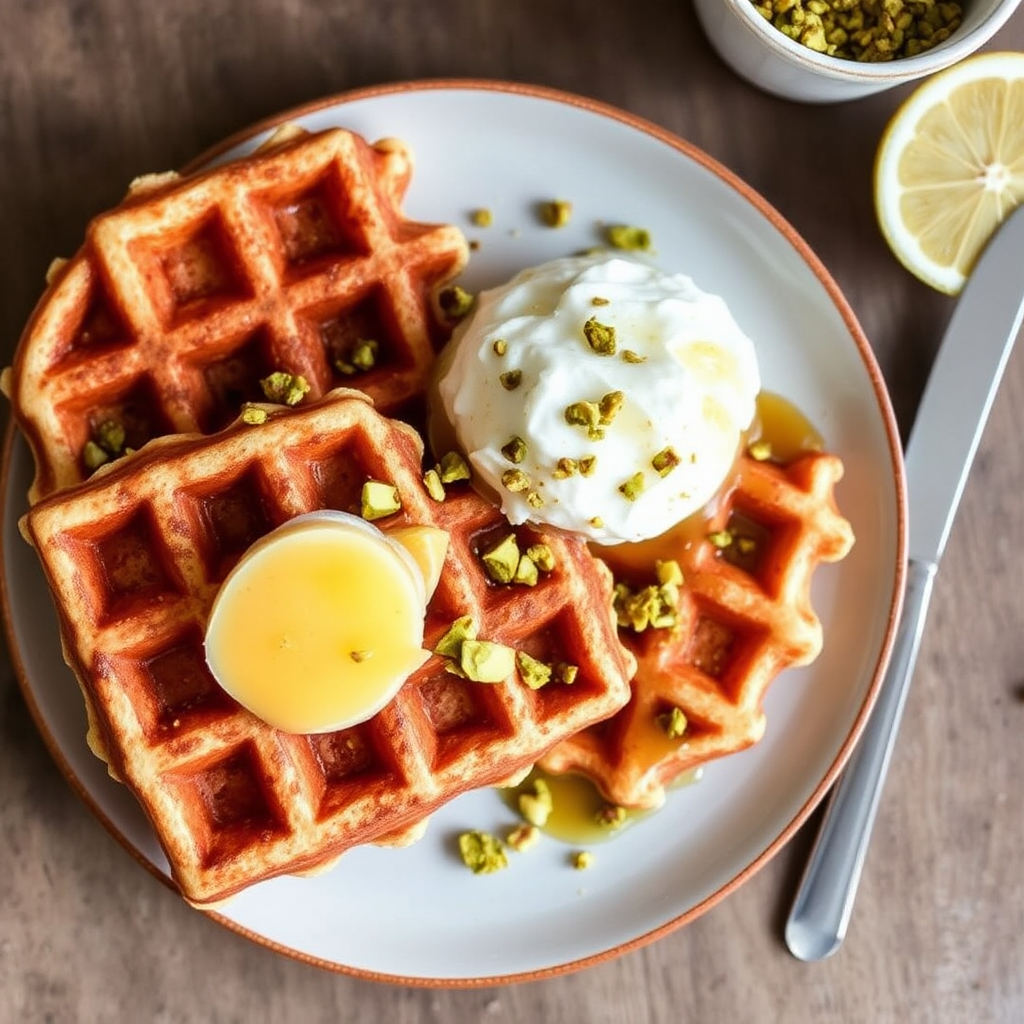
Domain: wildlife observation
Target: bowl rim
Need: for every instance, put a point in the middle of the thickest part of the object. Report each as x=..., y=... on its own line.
x=905, y=69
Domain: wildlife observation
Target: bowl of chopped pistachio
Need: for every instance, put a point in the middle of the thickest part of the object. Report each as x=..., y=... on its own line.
x=828, y=51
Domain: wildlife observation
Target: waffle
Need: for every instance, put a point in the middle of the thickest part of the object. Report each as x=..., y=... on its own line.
x=193, y=289
x=134, y=557
x=743, y=617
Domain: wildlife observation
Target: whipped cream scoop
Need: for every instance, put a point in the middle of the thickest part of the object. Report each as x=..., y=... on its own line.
x=600, y=395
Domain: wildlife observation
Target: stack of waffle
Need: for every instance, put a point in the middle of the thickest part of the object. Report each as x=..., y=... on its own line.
x=297, y=262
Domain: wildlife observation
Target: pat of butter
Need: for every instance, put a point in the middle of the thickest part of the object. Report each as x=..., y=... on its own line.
x=321, y=621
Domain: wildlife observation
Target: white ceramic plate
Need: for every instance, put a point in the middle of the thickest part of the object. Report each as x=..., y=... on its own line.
x=417, y=915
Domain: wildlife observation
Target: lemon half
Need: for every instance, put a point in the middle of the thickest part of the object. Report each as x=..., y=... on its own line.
x=950, y=167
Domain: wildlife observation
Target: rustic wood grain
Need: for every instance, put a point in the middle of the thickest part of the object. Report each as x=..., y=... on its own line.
x=94, y=93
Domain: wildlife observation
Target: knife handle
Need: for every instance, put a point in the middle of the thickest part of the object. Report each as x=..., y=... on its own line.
x=824, y=900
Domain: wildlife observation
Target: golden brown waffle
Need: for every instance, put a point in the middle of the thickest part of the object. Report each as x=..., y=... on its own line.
x=134, y=557
x=193, y=289
x=744, y=616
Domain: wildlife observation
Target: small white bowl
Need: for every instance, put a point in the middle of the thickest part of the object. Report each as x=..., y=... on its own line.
x=760, y=53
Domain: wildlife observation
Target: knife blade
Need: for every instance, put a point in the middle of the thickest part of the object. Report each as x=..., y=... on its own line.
x=943, y=441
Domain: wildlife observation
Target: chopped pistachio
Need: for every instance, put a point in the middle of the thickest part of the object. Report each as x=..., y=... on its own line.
x=362, y=356
x=563, y=672
x=542, y=556
x=610, y=816
x=522, y=837
x=565, y=468
x=515, y=480
x=534, y=500
x=93, y=455
x=432, y=482
x=514, y=449
x=455, y=302
x=452, y=668
x=668, y=572
x=379, y=499
x=633, y=487
x=721, y=539
x=625, y=236
x=254, y=415
x=453, y=467
x=582, y=860
x=482, y=218
x=533, y=672
x=500, y=346
x=284, y=388
x=501, y=561
x=600, y=337
x=482, y=853
x=511, y=379
x=629, y=356
x=535, y=804
x=585, y=414
x=746, y=545
x=462, y=629
x=656, y=607
x=596, y=522
x=526, y=572
x=665, y=461
x=360, y=656
x=586, y=464
x=484, y=661
x=597, y=300
x=110, y=436
x=674, y=723
x=609, y=406
x=556, y=212
x=760, y=451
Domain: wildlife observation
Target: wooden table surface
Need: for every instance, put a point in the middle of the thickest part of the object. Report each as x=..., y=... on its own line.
x=94, y=93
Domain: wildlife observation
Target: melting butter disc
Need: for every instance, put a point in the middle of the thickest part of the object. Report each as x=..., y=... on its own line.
x=321, y=621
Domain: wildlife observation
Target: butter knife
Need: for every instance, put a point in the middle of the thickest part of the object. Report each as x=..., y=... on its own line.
x=947, y=428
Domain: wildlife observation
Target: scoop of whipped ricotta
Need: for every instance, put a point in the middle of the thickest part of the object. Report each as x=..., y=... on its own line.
x=600, y=395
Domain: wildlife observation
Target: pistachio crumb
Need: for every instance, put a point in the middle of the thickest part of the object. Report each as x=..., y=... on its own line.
x=586, y=464
x=482, y=852
x=665, y=461
x=482, y=218
x=600, y=337
x=254, y=415
x=362, y=356
x=110, y=436
x=455, y=302
x=500, y=561
x=596, y=522
x=555, y=213
x=526, y=572
x=760, y=451
x=633, y=487
x=536, y=804
x=610, y=816
x=721, y=539
x=628, y=237
x=511, y=379
x=453, y=467
x=609, y=406
x=360, y=656
x=565, y=468
x=668, y=572
x=379, y=499
x=542, y=556
x=462, y=629
x=565, y=673
x=629, y=356
x=284, y=388
x=515, y=480
x=93, y=455
x=432, y=482
x=674, y=723
x=533, y=672
x=514, y=449
x=599, y=300
x=500, y=346
x=522, y=837
x=582, y=860
x=485, y=661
